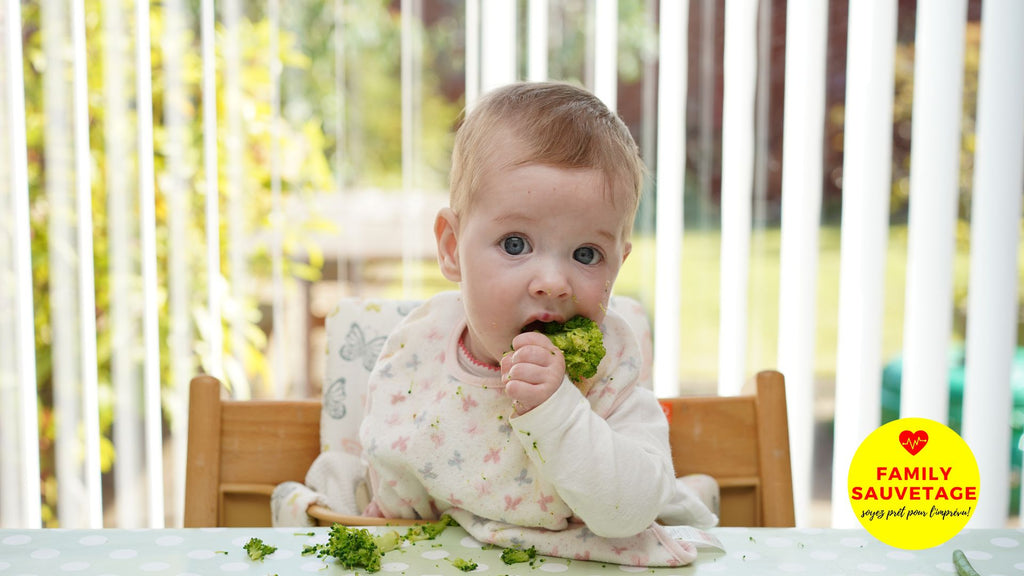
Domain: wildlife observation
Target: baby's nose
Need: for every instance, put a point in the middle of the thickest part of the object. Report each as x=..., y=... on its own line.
x=551, y=281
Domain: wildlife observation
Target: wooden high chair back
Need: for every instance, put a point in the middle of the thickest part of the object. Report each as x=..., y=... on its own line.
x=743, y=442
x=238, y=451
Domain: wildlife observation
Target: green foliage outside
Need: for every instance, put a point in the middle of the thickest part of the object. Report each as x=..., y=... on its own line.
x=305, y=149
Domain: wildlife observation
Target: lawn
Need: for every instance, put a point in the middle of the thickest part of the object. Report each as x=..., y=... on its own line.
x=700, y=298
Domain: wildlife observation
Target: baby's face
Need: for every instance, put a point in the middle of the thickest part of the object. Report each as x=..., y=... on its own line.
x=539, y=244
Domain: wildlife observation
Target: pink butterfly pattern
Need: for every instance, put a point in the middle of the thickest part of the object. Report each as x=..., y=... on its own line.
x=456, y=432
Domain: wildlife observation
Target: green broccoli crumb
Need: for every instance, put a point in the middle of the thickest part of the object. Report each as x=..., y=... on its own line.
x=537, y=450
x=257, y=550
x=518, y=555
x=359, y=548
x=429, y=531
x=464, y=565
x=581, y=343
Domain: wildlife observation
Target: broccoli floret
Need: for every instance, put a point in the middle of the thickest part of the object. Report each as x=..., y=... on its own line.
x=387, y=541
x=257, y=550
x=355, y=547
x=518, y=555
x=429, y=531
x=464, y=565
x=582, y=344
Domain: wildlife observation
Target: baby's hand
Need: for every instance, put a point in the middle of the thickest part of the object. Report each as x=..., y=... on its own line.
x=532, y=371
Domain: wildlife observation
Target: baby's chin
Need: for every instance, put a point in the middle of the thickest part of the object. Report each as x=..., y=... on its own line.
x=488, y=349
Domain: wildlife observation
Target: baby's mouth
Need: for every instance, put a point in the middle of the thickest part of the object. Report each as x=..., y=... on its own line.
x=535, y=326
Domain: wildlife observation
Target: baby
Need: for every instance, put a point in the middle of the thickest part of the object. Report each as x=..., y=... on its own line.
x=469, y=408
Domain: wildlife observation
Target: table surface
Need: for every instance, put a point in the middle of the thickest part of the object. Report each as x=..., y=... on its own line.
x=182, y=552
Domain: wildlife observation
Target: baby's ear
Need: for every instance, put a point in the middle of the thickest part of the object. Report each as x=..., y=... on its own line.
x=446, y=226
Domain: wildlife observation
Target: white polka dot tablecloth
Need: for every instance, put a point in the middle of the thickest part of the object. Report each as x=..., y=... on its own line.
x=186, y=552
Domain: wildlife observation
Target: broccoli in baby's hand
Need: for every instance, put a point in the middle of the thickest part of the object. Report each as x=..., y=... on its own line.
x=582, y=344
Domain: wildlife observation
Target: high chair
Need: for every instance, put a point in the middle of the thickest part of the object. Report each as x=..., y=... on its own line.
x=239, y=451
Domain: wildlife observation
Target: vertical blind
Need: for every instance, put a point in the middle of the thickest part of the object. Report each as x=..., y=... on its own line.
x=864, y=234
x=151, y=163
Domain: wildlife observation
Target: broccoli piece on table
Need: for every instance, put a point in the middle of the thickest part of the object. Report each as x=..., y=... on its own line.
x=582, y=344
x=518, y=555
x=429, y=531
x=355, y=547
x=464, y=565
x=257, y=550
x=387, y=541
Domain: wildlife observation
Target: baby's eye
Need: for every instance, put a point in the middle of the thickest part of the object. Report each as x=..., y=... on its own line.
x=586, y=255
x=515, y=245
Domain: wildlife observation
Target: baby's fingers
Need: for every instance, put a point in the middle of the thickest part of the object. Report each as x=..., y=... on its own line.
x=532, y=339
x=525, y=397
x=539, y=355
x=529, y=373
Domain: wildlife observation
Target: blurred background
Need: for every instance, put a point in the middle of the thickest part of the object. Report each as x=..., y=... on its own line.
x=189, y=186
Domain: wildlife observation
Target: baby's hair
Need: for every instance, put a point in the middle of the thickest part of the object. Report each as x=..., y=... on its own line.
x=555, y=124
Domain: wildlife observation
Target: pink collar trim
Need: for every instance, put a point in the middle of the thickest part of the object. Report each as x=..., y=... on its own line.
x=472, y=359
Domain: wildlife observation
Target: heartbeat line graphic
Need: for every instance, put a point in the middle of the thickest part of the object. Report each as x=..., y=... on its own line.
x=914, y=442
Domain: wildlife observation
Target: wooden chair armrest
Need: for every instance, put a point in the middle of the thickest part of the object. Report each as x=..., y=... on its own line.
x=257, y=489
x=326, y=517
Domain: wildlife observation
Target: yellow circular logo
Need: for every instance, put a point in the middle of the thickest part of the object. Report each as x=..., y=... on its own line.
x=913, y=483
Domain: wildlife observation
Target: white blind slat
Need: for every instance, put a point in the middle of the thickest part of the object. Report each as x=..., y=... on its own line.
x=934, y=176
x=497, y=43
x=176, y=184
x=122, y=222
x=537, y=61
x=804, y=126
x=24, y=372
x=86, y=273
x=473, y=47
x=214, y=362
x=151, y=300
x=995, y=235
x=62, y=256
x=867, y=169
x=671, y=178
x=740, y=63
x=281, y=355
x=235, y=194
x=606, y=52
x=412, y=128
x=9, y=475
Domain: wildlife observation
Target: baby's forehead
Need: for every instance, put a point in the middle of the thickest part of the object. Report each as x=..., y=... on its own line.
x=510, y=174
x=602, y=190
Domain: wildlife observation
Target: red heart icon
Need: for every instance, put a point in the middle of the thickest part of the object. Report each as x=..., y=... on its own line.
x=913, y=442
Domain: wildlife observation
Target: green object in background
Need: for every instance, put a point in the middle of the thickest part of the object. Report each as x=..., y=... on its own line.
x=892, y=376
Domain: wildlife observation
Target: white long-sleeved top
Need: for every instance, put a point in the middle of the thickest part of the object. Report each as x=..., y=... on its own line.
x=438, y=435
